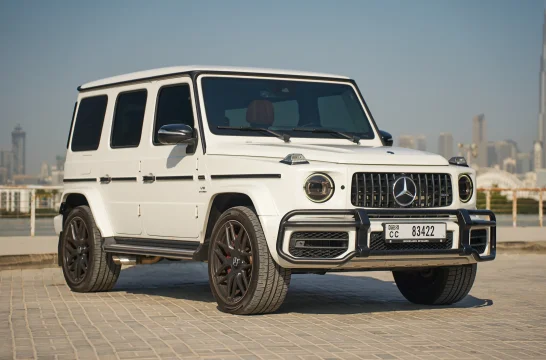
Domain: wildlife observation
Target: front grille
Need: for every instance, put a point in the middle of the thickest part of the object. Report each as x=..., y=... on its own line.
x=318, y=244
x=374, y=190
x=478, y=240
x=377, y=243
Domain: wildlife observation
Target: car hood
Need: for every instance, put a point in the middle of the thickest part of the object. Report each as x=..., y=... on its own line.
x=341, y=154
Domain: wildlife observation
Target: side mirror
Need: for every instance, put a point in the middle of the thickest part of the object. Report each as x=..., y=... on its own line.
x=386, y=137
x=176, y=134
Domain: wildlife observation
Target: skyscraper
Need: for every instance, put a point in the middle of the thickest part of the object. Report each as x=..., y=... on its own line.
x=421, y=142
x=6, y=166
x=538, y=151
x=542, y=97
x=406, y=141
x=445, y=145
x=18, y=143
x=479, y=137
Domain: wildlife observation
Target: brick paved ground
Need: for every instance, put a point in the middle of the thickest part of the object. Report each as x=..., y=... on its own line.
x=167, y=311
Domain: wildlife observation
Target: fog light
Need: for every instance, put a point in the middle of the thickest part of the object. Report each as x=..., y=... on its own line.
x=319, y=188
x=466, y=188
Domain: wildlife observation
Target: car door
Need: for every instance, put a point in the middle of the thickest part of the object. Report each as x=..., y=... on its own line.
x=119, y=178
x=169, y=190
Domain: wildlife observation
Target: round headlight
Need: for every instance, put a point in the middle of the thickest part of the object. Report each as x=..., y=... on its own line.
x=466, y=188
x=319, y=187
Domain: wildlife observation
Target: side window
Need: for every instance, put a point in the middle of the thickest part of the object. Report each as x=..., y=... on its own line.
x=173, y=107
x=128, y=119
x=88, y=127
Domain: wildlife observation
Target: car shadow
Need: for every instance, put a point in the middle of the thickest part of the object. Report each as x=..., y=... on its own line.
x=332, y=293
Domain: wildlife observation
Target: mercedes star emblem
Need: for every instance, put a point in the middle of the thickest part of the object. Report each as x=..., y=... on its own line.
x=404, y=191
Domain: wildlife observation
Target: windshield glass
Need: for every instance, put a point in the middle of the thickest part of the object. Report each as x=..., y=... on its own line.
x=285, y=106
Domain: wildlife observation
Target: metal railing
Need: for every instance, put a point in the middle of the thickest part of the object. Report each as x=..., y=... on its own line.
x=521, y=202
x=22, y=202
x=518, y=207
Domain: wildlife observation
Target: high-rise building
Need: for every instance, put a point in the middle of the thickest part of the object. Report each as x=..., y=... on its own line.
x=505, y=150
x=538, y=152
x=6, y=165
x=406, y=141
x=542, y=99
x=421, y=142
x=479, y=137
x=18, y=139
x=445, y=145
x=491, y=155
x=523, y=161
x=59, y=162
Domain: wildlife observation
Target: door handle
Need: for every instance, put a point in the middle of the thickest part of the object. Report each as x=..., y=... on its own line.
x=148, y=178
x=105, y=179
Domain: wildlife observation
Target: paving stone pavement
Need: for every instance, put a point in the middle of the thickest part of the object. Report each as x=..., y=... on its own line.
x=167, y=311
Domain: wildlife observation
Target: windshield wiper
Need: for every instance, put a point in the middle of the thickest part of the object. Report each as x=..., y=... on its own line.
x=283, y=137
x=353, y=138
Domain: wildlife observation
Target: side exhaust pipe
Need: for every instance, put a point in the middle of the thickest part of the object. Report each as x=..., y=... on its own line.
x=133, y=260
x=124, y=260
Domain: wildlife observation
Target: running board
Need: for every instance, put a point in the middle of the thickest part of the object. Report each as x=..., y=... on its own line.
x=173, y=249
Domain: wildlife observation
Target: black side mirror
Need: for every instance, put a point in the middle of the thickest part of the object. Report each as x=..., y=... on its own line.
x=175, y=134
x=386, y=137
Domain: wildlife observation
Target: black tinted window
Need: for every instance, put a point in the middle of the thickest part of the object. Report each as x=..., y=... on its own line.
x=89, y=122
x=173, y=107
x=128, y=119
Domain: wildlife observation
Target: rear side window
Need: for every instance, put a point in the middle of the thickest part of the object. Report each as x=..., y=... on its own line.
x=88, y=127
x=173, y=107
x=128, y=119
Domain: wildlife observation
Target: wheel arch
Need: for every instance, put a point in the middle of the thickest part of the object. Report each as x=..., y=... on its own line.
x=91, y=198
x=220, y=202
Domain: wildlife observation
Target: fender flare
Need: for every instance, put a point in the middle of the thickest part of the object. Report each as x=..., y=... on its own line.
x=260, y=196
x=98, y=209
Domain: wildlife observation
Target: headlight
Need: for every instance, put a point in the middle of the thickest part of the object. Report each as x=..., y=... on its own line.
x=319, y=187
x=466, y=188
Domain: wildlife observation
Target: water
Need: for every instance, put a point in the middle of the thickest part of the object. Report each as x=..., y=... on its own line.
x=44, y=226
x=21, y=227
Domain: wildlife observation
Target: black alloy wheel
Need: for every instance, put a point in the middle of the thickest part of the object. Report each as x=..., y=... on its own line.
x=232, y=264
x=76, y=246
x=244, y=278
x=86, y=266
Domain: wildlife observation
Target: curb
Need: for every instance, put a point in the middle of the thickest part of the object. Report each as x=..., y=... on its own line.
x=527, y=247
x=10, y=262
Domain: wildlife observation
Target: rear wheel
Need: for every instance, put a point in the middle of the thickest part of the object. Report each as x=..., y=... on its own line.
x=86, y=267
x=244, y=278
x=436, y=286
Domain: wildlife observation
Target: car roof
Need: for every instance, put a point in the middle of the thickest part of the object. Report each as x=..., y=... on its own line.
x=174, y=70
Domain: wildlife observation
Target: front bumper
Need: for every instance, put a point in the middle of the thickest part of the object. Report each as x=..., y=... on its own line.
x=361, y=221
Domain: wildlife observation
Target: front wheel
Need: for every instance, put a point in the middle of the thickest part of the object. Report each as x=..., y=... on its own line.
x=244, y=278
x=436, y=286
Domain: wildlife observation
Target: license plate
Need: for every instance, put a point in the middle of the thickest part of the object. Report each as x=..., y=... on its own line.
x=415, y=233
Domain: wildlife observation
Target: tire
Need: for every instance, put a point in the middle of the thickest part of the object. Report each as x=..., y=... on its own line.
x=436, y=286
x=243, y=276
x=86, y=267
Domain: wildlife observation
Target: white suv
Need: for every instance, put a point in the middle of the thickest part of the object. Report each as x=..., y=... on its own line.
x=261, y=173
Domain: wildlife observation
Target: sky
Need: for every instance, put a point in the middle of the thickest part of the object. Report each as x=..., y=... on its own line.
x=424, y=67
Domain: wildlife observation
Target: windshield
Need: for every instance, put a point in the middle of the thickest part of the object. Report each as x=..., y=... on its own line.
x=297, y=108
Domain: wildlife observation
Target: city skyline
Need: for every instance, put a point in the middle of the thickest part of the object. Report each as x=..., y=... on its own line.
x=542, y=95
x=422, y=67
